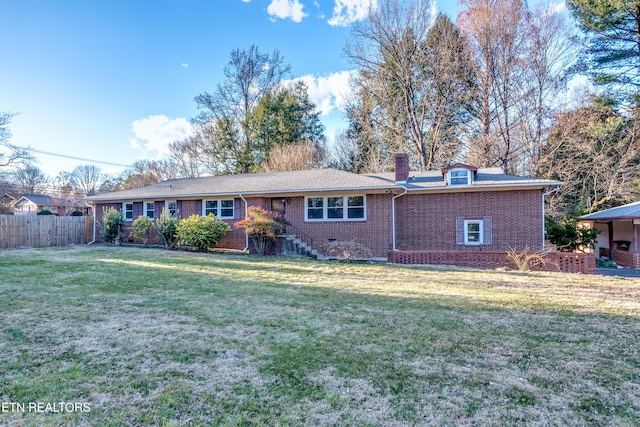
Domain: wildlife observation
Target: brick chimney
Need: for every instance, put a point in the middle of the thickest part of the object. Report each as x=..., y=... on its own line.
x=402, y=167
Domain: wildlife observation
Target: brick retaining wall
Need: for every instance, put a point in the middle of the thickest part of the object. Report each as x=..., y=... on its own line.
x=556, y=261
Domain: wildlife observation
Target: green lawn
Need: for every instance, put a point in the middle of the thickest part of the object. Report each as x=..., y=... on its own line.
x=154, y=337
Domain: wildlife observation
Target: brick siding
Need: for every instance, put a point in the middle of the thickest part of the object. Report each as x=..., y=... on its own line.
x=428, y=221
x=423, y=221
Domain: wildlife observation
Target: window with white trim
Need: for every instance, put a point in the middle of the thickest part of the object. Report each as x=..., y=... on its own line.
x=171, y=206
x=459, y=177
x=335, y=208
x=127, y=210
x=473, y=232
x=223, y=209
x=149, y=209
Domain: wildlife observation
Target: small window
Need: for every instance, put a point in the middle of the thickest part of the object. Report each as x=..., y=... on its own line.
x=459, y=177
x=335, y=207
x=226, y=209
x=149, y=209
x=355, y=207
x=127, y=208
x=172, y=207
x=315, y=208
x=210, y=207
x=473, y=232
x=219, y=208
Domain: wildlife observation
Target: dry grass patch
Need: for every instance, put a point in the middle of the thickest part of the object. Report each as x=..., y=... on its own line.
x=154, y=337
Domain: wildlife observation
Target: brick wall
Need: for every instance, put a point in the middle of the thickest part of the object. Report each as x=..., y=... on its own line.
x=556, y=261
x=428, y=221
x=374, y=233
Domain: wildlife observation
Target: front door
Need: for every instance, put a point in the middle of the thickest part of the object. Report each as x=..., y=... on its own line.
x=279, y=206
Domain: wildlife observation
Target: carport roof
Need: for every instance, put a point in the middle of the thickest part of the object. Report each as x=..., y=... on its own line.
x=629, y=211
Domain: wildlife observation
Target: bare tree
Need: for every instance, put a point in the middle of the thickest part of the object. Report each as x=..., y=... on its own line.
x=593, y=149
x=497, y=33
x=10, y=155
x=551, y=56
x=414, y=83
x=291, y=157
x=225, y=113
x=143, y=173
x=29, y=178
x=87, y=179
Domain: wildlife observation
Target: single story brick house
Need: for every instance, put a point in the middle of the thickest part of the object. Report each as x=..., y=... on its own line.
x=460, y=209
x=34, y=203
x=619, y=238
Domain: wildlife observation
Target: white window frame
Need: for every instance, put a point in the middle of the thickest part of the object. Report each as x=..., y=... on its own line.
x=145, y=211
x=480, y=232
x=125, y=210
x=345, y=208
x=166, y=206
x=451, y=177
x=217, y=211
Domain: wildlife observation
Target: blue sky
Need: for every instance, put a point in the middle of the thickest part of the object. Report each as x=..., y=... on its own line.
x=114, y=80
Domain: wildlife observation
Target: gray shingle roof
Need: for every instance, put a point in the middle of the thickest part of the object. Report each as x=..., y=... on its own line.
x=307, y=181
x=259, y=183
x=631, y=210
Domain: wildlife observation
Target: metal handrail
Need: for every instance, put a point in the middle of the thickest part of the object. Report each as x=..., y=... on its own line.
x=300, y=234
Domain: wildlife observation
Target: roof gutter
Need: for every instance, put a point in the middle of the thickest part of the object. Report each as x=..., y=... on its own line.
x=393, y=219
x=544, y=231
x=246, y=214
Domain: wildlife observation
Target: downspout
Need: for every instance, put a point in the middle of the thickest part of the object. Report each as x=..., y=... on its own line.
x=393, y=219
x=544, y=231
x=93, y=210
x=246, y=214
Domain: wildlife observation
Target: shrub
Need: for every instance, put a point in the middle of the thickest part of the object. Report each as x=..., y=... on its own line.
x=45, y=212
x=201, y=232
x=606, y=263
x=262, y=227
x=142, y=227
x=346, y=250
x=166, y=225
x=77, y=213
x=525, y=260
x=112, y=225
x=568, y=236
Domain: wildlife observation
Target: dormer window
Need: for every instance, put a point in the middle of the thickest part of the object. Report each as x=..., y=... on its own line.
x=459, y=177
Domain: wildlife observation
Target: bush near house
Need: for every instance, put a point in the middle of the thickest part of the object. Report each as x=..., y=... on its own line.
x=262, y=227
x=113, y=226
x=45, y=212
x=568, y=236
x=166, y=225
x=142, y=228
x=201, y=232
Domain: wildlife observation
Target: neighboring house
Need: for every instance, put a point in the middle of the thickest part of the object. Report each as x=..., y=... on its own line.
x=460, y=208
x=34, y=203
x=619, y=233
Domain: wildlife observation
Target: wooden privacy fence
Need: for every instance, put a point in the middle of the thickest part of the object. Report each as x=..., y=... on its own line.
x=44, y=230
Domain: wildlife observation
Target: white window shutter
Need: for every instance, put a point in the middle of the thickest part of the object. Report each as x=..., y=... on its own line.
x=487, y=230
x=460, y=230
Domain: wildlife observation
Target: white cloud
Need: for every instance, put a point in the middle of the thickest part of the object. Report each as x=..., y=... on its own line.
x=329, y=92
x=346, y=12
x=184, y=65
x=284, y=9
x=557, y=7
x=156, y=132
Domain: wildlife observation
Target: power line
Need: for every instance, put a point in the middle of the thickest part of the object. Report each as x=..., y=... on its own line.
x=64, y=156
